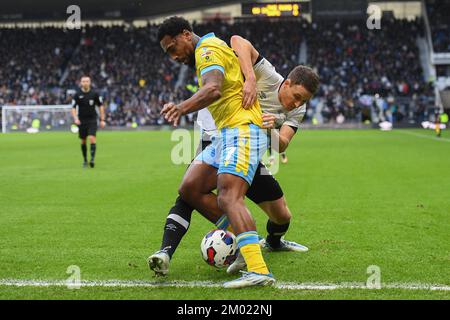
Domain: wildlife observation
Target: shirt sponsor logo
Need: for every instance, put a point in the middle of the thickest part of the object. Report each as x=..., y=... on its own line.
x=206, y=54
x=262, y=95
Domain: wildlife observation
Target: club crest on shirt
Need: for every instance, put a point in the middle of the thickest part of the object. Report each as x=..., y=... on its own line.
x=91, y=102
x=206, y=55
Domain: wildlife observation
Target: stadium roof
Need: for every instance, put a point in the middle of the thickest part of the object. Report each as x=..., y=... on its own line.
x=24, y=10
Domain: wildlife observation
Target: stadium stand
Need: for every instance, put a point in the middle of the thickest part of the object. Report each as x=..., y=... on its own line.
x=129, y=69
x=356, y=63
x=32, y=62
x=438, y=15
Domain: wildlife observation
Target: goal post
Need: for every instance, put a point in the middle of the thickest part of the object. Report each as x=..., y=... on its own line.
x=36, y=118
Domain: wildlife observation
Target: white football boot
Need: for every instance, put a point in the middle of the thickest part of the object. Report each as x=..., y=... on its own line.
x=239, y=264
x=159, y=263
x=249, y=279
x=285, y=245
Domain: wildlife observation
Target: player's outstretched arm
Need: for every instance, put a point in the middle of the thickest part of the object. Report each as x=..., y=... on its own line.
x=247, y=55
x=285, y=136
x=210, y=92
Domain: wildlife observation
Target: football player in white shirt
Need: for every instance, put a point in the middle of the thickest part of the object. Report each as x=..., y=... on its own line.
x=283, y=102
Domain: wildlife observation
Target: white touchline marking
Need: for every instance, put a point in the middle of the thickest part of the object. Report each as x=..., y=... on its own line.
x=422, y=135
x=211, y=284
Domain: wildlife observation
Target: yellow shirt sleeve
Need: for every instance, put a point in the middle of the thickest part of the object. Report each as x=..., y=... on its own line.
x=209, y=58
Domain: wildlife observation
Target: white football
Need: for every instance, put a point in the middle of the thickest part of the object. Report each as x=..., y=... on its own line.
x=218, y=248
x=74, y=128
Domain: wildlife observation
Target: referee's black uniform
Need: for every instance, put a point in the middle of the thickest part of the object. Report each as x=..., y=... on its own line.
x=86, y=104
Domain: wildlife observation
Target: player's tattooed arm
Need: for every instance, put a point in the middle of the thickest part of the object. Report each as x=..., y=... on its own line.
x=210, y=92
x=247, y=55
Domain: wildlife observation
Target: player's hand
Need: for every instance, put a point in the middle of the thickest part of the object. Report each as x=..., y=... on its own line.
x=171, y=113
x=102, y=124
x=77, y=122
x=268, y=121
x=249, y=93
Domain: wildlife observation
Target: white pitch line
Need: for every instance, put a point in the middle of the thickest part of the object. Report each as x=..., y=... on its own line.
x=422, y=136
x=210, y=284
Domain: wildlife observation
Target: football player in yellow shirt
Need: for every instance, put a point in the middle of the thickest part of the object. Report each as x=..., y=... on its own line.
x=235, y=154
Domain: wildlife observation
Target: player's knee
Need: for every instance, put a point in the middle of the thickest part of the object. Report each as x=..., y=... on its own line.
x=225, y=200
x=283, y=218
x=282, y=214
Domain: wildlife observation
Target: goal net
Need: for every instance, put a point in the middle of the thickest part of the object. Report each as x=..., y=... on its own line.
x=37, y=118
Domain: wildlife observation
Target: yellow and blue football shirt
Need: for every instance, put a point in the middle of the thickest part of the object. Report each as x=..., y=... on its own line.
x=213, y=53
x=241, y=142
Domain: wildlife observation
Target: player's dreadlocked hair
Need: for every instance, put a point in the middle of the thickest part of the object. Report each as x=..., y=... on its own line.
x=172, y=27
x=305, y=76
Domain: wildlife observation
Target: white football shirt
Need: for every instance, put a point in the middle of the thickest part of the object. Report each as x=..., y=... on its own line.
x=268, y=83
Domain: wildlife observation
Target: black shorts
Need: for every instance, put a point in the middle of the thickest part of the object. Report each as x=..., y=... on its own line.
x=264, y=186
x=87, y=128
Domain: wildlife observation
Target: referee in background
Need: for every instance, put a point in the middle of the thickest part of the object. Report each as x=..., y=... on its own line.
x=84, y=113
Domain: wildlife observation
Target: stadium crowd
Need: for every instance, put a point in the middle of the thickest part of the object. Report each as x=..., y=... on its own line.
x=366, y=75
x=32, y=62
x=438, y=15
x=129, y=70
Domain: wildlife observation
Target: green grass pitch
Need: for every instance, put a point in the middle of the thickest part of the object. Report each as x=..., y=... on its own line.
x=358, y=198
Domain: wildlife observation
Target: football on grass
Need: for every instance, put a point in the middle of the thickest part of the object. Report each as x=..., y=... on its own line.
x=219, y=248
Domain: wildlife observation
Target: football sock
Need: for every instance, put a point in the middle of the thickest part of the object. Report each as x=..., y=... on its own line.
x=84, y=151
x=93, y=148
x=248, y=244
x=224, y=224
x=177, y=224
x=275, y=232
